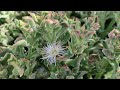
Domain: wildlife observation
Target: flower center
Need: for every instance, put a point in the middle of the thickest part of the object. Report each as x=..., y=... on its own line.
x=54, y=52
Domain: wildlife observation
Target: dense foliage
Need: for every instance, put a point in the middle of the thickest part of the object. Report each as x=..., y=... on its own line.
x=59, y=44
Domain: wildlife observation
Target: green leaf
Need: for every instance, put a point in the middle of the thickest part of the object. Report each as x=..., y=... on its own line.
x=4, y=59
x=82, y=73
x=32, y=76
x=31, y=22
x=21, y=43
x=108, y=54
x=108, y=75
x=53, y=76
x=11, y=60
x=3, y=74
x=70, y=77
x=115, y=66
x=70, y=47
x=17, y=70
x=70, y=62
x=27, y=71
x=33, y=16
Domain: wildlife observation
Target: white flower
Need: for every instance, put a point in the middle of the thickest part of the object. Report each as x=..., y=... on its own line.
x=51, y=51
